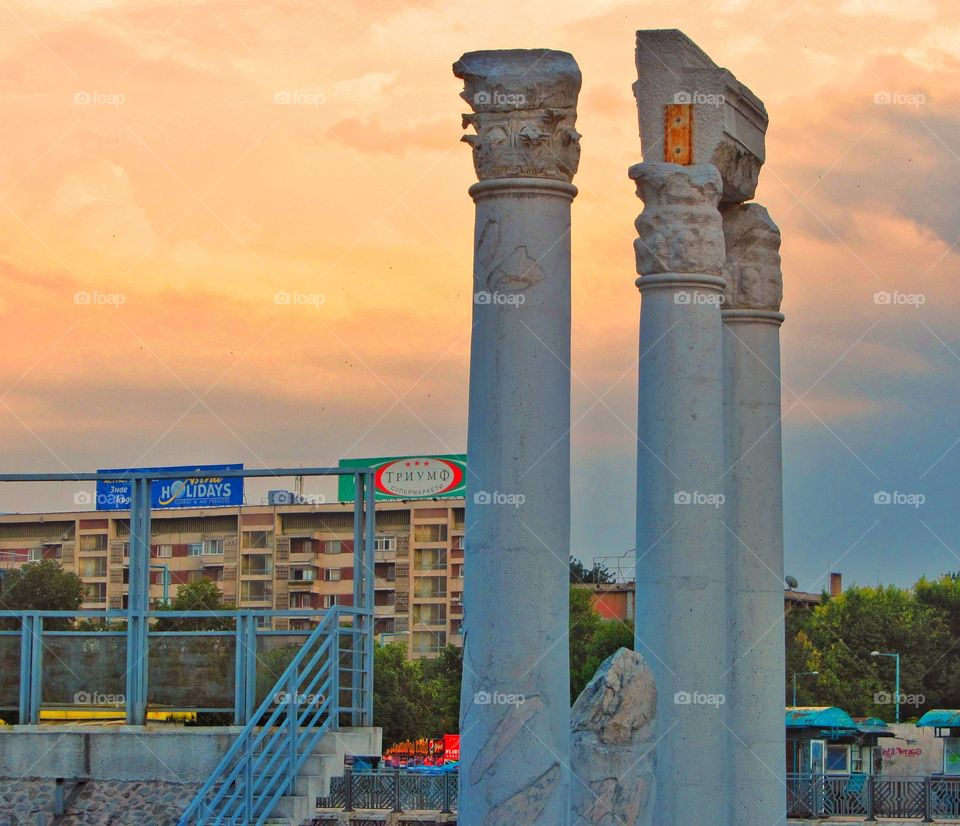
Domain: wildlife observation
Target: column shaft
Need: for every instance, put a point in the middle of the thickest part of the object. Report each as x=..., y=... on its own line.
x=681, y=567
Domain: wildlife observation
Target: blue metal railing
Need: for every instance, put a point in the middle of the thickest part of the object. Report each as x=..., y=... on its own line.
x=872, y=796
x=262, y=765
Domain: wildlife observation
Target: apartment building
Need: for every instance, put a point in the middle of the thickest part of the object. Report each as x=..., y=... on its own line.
x=270, y=557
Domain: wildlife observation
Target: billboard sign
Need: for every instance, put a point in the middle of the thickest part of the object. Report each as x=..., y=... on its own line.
x=410, y=477
x=199, y=487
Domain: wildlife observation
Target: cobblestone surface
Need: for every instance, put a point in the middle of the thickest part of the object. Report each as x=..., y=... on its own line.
x=29, y=802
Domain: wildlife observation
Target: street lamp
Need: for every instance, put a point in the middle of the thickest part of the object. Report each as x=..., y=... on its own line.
x=897, y=689
x=800, y=674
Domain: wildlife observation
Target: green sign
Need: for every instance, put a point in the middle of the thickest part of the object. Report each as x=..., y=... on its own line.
x=410, y=477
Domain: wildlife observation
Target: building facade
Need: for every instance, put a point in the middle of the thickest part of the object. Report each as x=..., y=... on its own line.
x=270, y=557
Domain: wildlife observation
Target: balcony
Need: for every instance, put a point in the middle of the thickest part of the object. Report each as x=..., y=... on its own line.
x=384, y=610
x=302, y=577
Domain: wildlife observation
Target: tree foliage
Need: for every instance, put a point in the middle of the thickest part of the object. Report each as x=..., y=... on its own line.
x=836, y=638
x=40, y=586
x=597, y=575
x=202, y=595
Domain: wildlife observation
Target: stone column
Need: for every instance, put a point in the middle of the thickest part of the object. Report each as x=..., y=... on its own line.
x=515, y=706
x=681, y=566
x=754, y=513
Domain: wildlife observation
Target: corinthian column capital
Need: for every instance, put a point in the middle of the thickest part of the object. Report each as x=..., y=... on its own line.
x=524, y=105
x=680, y=227
x=752, y=267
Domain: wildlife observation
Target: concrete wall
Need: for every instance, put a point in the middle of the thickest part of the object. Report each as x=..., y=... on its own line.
x=173, y=754
x=914, y=751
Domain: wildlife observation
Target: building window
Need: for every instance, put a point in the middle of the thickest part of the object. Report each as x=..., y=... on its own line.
x=96, y=591
x=385, y=543
x=433, y=614
x=213, y=547
x=428, y=642
x=257, y=539
x=430, y=559
x=301, y=575
x=951, y=755
x=457, y=570
x=457, y=543
x=126, y=550
x=430, y=533
x=430, y=587
x=164, y=551
x=838, y=759
x=94, y=567
x=331, y=574
x=93, y=542
x=36, y=555
x=329, y=600
x=195, y=549
x=332, y=546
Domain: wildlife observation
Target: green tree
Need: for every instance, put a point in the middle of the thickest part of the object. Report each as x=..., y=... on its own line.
x=399, y=695
x=444, y=674
x=581, y=574
x=839, y=634
x=202, y=595
x=41, y=586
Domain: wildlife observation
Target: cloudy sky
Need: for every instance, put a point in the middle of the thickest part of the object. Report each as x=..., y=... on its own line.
x=180, y=163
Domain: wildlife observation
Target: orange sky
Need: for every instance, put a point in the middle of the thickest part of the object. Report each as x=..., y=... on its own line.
x=148, y=154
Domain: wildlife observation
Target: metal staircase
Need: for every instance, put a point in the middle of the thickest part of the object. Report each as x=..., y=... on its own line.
x=264, y=763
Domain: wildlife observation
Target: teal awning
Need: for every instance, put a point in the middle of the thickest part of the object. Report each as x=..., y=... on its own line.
x=941, y=718
x=824, y=717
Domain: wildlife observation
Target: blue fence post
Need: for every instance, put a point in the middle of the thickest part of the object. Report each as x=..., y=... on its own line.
x=240, y=673
x=368, y=620
x=335, y=672
x=26, y=667
x=138, y=602
x=348, y=789
x=293, y=717
x=871, y=803
x=36, y=668
x=251, y=680
x=359, y=563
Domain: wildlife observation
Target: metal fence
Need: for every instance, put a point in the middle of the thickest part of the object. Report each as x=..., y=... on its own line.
x=873, y=796
x=397, y=791
x=120, y=659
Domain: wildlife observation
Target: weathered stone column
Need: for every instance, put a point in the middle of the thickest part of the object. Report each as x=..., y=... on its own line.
x=693, y=111
x=681, y=566
x=754, y=513
x=515, y=706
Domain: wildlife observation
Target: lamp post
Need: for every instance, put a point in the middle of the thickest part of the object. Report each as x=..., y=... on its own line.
x=896, y=699
x=800, y=674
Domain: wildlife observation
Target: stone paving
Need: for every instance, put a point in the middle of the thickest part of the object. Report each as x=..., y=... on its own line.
x=29, y=802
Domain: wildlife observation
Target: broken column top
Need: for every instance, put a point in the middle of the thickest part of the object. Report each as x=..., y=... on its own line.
x=524, y=105
x=729, y=121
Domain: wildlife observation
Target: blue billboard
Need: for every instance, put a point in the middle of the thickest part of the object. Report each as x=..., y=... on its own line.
x=201, y=486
